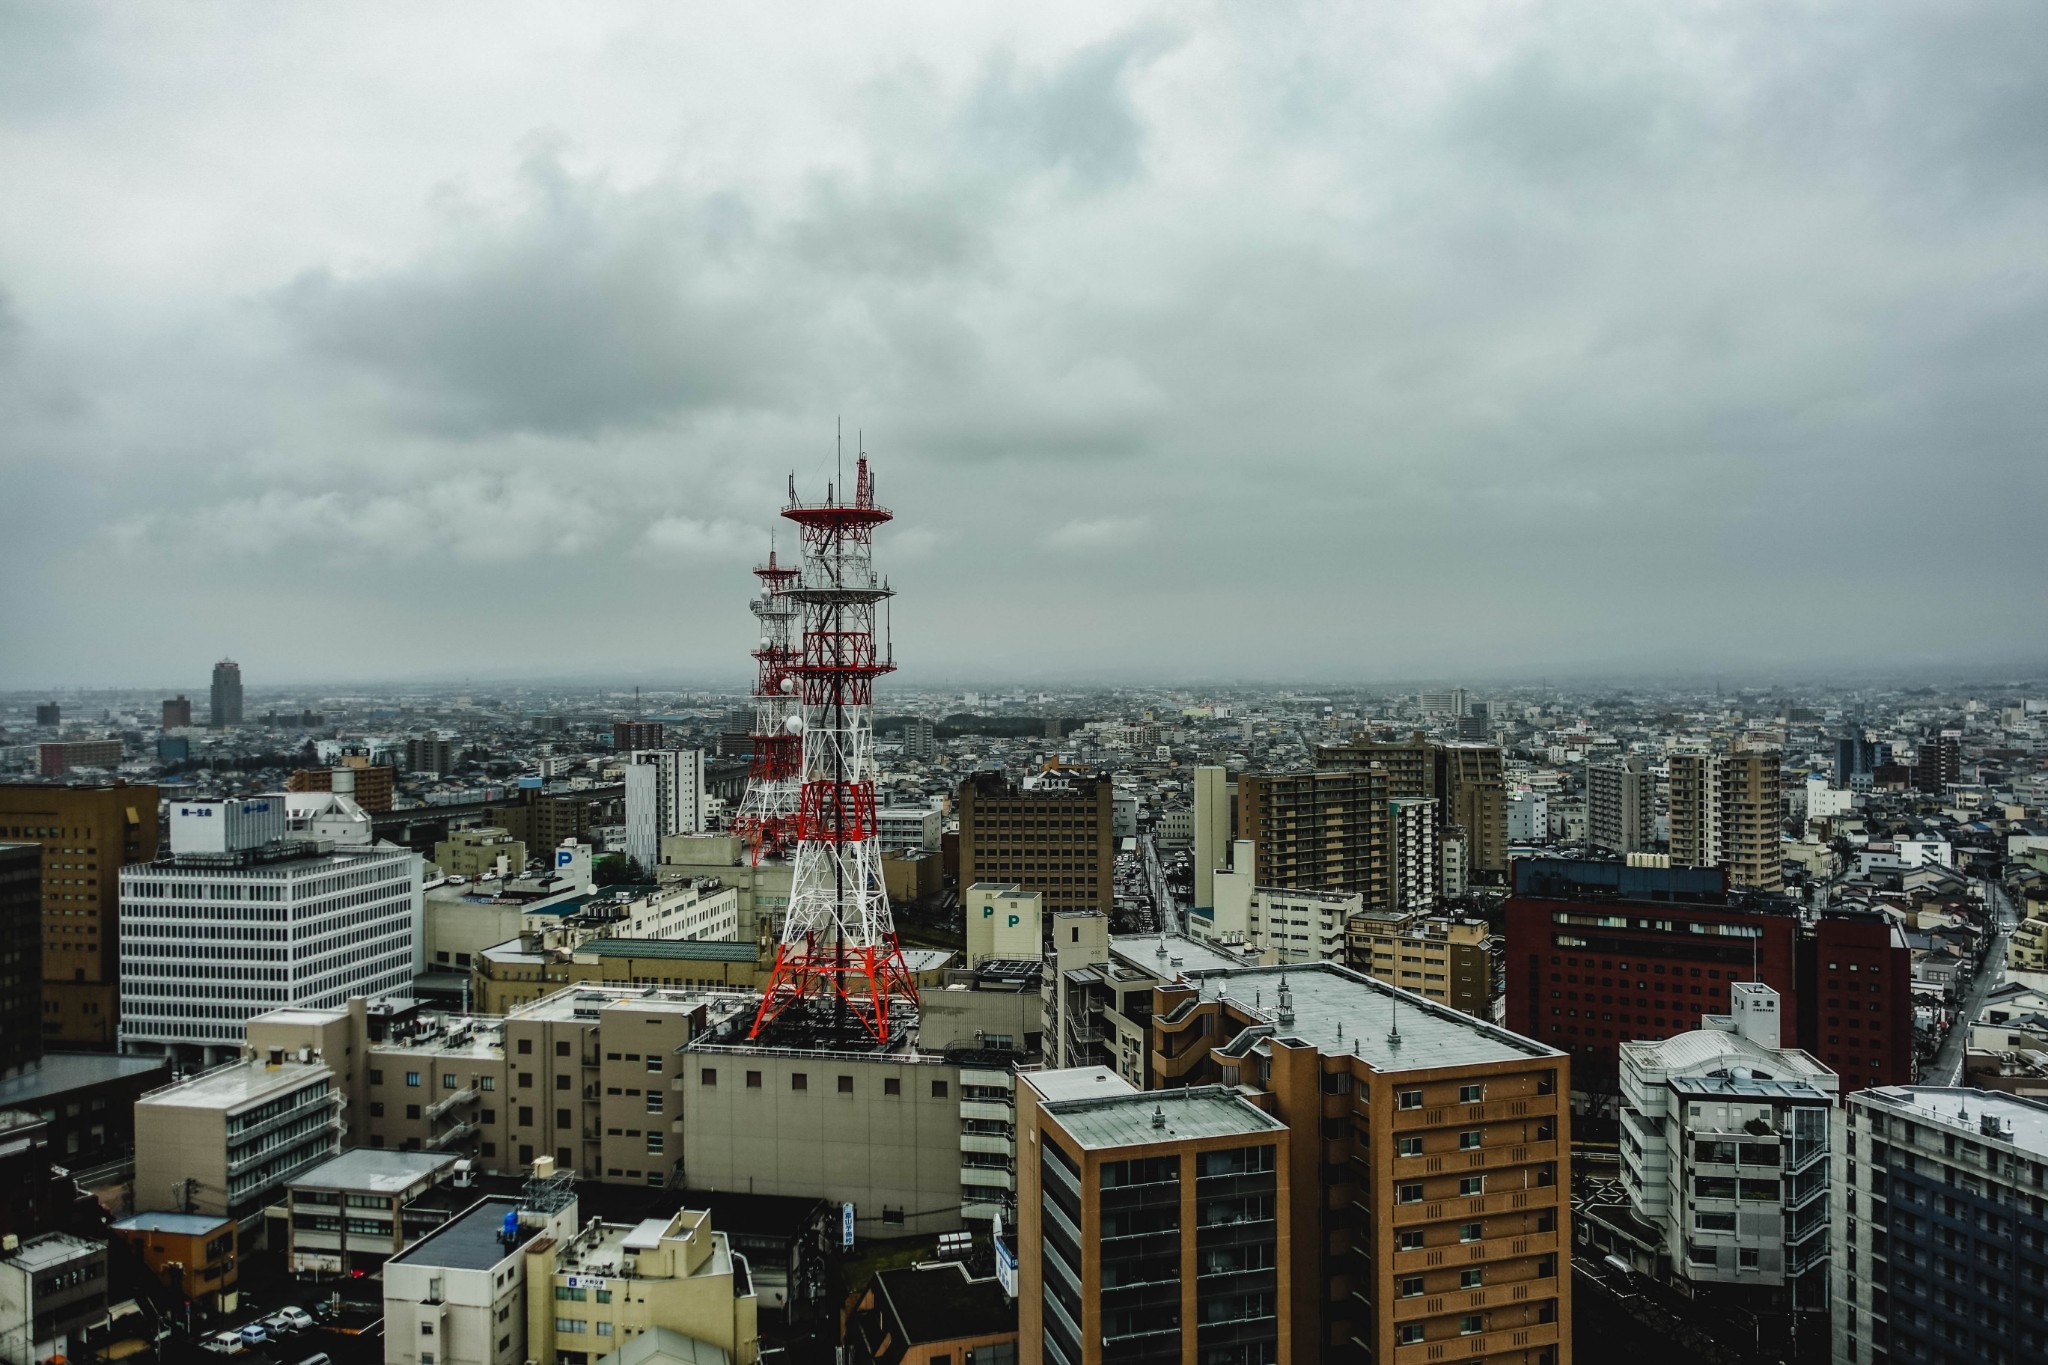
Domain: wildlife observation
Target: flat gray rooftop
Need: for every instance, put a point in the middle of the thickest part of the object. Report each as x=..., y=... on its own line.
x=239, y=1083
x=1149, y=1116
x=62, y=1071
x=1962, y=1110
x=370, y=1171
x=1155, y=953
x=1340, y=1010
x=1078, y=1082
x=469, y=1241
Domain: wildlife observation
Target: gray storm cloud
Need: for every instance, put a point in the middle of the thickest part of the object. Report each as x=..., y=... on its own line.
x=1306, y=341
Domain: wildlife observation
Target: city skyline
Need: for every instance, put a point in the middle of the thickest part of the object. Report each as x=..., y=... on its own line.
x=1402, y=344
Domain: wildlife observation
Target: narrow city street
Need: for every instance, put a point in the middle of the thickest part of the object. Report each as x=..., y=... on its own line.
x=1947, y=1067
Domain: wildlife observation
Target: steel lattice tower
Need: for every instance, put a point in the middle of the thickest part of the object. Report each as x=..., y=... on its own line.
x=839, y=940
x=767, y=814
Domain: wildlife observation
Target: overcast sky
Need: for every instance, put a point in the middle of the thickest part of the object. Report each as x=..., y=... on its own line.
x=1351, y=342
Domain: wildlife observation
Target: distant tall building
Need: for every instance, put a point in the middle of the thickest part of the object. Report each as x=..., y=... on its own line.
x=21, y=958
x=1695, y=808
x=1752, y=820
x=919, y=742
x=1052, y=837
x=429, y=753
x=59, y=758
x=1472, y=785
x=1476, y=723
x=664, y=796
x=1418, y=863
x=177, y=712
x=49, y=715
x=628, y=735
x=86, y=834
x=1621, y=814
x=227, y=694
x=1215, y=813
x=1940, y=764
x=1320, y=831
x=284, y=925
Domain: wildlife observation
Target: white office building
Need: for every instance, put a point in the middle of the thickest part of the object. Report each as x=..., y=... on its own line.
x=210, y=938
x=909, y=829
x=1724, y=1157
x=664, y=796
x=458, y=1295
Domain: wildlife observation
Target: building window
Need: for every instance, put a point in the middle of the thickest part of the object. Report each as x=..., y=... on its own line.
x=412, y=1078
x=938, y=1090
x=1411, y=1239
x=654, y=1065
x=1410, y=1099
x=846, y=1085
x=799, y=1081
x=1471, y=1232
x=1411, y=1287
x=412, y=1111
x=1410, y=1146
x=892, y=1085
x=1468, y=1140
x=753, y=1080
x=708, y=1076
x=1472, y=1184
x=1409, y=1194
x=561, y=1047
x=525, y=1047
x=1471, y=1094
x=1471, y=1325
x=376, y=1078
x=1470, y=1279
x=1411, y=1332
x=448, y=1081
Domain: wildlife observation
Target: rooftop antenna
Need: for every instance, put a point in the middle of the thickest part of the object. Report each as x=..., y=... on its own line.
x=1394, y=1031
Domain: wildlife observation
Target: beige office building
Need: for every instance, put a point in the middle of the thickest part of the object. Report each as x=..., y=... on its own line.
x=227, y=1141
x=607, y=1286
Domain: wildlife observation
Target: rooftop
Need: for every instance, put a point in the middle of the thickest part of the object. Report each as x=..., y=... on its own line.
x=1079, y=1082
x=52, y=1249
x=1142, y=1117
x=1964, y=1111
x=183, y=1224
x=658, y=1345
x=583, y=1002
x=682, y=950
x=370, y=1171
x=1338, y=1010
x=942, y=1303
x=64, y=1071
x=238, y=1083
x=1704, y=1054
x=469, y=1241
x=1156, y=954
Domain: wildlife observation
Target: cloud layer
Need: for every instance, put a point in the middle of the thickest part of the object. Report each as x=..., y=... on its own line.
x=1301, y=341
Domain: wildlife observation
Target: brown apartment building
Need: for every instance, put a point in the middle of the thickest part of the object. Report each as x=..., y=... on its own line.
x=1426, y=1207
x=1054, y=838
x=1468, y=781
x=86, y=834
x=1320, y=831
x=369, y=785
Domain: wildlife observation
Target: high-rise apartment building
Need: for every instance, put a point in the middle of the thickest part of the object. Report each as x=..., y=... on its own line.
x=628, y=735
x=920, y=744
x=21, y=957
x=240, y=920
x=1153, y=1225
x=177, y=712
x=1418, y=865
x=1472, y=785
x=57, y=759
x=1329, y=830
x=1752, y=820
x=369, y=785
x=1215, y=819
x=49, y=715
x=1439, y=957
x=664, y=796
x=1418, y=1205
x=1052, y=836
x=1621, y=806
x=1940, y=764
x=429, y=753
x=226, y=699
x=1694, y=807
x=86, y=834
x=1940, y=1227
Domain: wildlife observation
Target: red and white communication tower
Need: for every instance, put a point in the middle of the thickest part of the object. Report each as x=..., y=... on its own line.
x=839, y=942
x=767, y=814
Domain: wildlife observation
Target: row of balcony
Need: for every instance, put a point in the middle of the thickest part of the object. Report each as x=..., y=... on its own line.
x=1472, y=1300
x=1475, y=1253
x=1474, y=1159
x=1480, y=1344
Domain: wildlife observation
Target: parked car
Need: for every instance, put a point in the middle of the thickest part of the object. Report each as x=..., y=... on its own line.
x=224, y=1343
x=254, y=1335
x=278, y=1325
x=299, y=1318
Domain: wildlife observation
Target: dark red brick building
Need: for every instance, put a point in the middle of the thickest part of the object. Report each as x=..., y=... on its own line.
x=1600, y=953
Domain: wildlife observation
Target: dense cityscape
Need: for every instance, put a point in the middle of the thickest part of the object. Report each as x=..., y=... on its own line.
x=925, y=684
